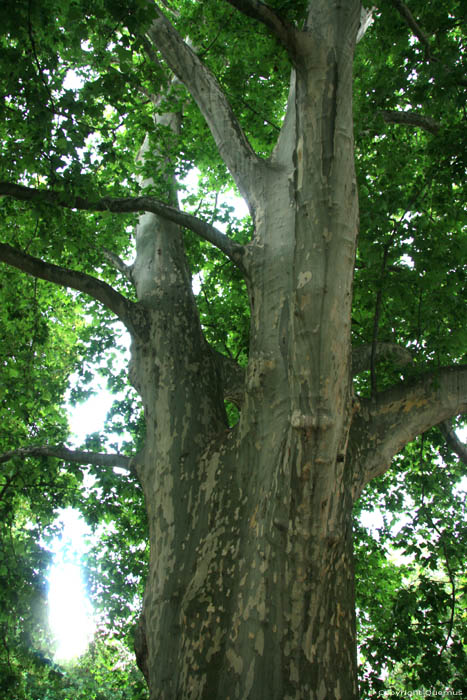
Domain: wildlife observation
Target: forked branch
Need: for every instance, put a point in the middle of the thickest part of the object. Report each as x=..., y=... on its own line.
x=233, y=146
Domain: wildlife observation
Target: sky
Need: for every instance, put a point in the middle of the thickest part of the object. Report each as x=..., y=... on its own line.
x=70, y=611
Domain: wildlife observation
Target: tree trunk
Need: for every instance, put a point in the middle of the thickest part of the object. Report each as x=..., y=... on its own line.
x=250, y=591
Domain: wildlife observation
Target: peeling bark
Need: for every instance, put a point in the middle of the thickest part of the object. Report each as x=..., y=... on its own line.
x=251, y=574
x=250, y=590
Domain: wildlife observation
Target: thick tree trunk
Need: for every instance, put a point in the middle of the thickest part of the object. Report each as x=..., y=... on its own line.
x=250, y=591
x=250, y=588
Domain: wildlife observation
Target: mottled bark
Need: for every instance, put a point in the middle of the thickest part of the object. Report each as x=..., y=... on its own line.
x=250, y=590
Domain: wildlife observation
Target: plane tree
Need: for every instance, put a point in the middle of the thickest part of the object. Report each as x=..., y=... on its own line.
x=326, y=333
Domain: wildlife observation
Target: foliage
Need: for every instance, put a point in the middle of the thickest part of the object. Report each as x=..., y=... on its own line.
x=76, y=81
x=411, y=574
x=106, y=672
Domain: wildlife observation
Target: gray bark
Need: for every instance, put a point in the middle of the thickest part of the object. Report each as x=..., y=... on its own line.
x=383, y=425
x=251, y=584
x=250, y=590
x=251, y=575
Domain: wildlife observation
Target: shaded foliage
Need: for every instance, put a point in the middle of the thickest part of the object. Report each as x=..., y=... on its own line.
x=82, y=136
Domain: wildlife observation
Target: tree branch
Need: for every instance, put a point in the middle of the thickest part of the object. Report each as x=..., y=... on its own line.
x=453, y=441
x=103, y=292
x=116, y=262
x=60, y=452
x=125, y=205
x=281, y=29
x=384, y=425
x=411, y=119
x=413, y=24
x=361, y=355
x=422, y=37
x=231, y=142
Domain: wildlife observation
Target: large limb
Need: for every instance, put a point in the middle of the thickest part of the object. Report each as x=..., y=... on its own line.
x=233, y=146
x=385, y=424
x=124, y=309
x=125, y=205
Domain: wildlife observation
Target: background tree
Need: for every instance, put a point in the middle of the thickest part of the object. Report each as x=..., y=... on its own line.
x=346, y=355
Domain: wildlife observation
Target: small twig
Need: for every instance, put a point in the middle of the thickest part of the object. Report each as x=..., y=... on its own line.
x=258, y=114
x=205, y=51
x=379, y=299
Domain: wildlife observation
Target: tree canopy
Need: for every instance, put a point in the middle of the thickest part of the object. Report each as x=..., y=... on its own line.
x=97, y=126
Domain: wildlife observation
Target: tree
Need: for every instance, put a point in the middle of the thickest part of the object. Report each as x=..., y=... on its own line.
x=250, y=588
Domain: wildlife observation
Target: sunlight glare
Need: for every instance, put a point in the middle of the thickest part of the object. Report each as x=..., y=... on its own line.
x=70, y=611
